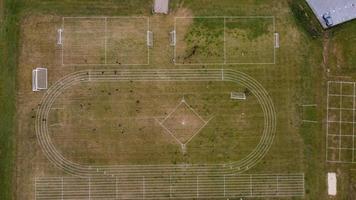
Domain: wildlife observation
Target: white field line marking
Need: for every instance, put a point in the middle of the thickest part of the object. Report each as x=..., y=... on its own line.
x=342, y=148
x=170, y=186
x=196, y=133
x=277, y=184
x=89, y=188
x=62, y=188
x=309, y=121
x=116, y=189
x=224, y=185
x=143, y=187
x=102, y=17
x=224, y=16
x=345, y=122
x=327, y=121
x=169, y=132
x=344, y=135
x=225, y=62
x=303, y=184
x=341, y=95
x=229, y=63
x=347, y=109
x=346, y=82
x=174, y=48
x=105, y=39
x=148, y=48
x=340, y=119
x=174, y=109
x=224, y=40
x=194, y=112
x=102, y=64
x=63, y=41
x=197, y=187
x=251, y=185
x=274, y=49
x=35, y=188
x=353, y=125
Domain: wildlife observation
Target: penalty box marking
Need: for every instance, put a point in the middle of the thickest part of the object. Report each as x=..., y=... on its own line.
x=275, y=36
x=62, y=34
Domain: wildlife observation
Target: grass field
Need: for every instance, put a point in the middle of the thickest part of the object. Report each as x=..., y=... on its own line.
x=225, y=40
x=103, y=40
x=9, y=37
x=128, y=122
x=124, y=123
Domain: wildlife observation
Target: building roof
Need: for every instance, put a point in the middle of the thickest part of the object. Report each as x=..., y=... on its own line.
x=161, y=6
x=340, y=11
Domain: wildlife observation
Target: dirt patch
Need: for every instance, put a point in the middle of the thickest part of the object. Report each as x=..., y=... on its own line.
x=326, y=46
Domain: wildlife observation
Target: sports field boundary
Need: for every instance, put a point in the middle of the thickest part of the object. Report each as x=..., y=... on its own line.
x=224, y=40
x=105, y=18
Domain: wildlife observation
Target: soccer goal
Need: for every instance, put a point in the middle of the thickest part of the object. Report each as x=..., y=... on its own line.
x=238, y=95
x=276, y=40
x=59, y=36
x=173, y=38
x=149, y=39
x=39, y=79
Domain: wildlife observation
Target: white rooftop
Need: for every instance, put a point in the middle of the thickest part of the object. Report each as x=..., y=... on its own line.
x=161, y=6
x=332, y=187
x=340, y=10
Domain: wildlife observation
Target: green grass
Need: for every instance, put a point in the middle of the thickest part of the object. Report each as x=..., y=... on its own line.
x=154, y=145
x=296, y=78
x=205, y=39
x=256, y=27
x=9, y=35
x=342, y=49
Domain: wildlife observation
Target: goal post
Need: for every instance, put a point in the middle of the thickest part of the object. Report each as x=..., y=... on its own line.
x=59, y=36
x=173, y=38
x=238, y=95
x=149, y=38
x=276, y=40
x=39, y=79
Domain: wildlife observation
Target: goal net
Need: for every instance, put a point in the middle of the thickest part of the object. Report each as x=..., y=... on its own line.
x=59, y=36
x=173, y=38
x=39, y=79
x=149, y=39
x=238, y=95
